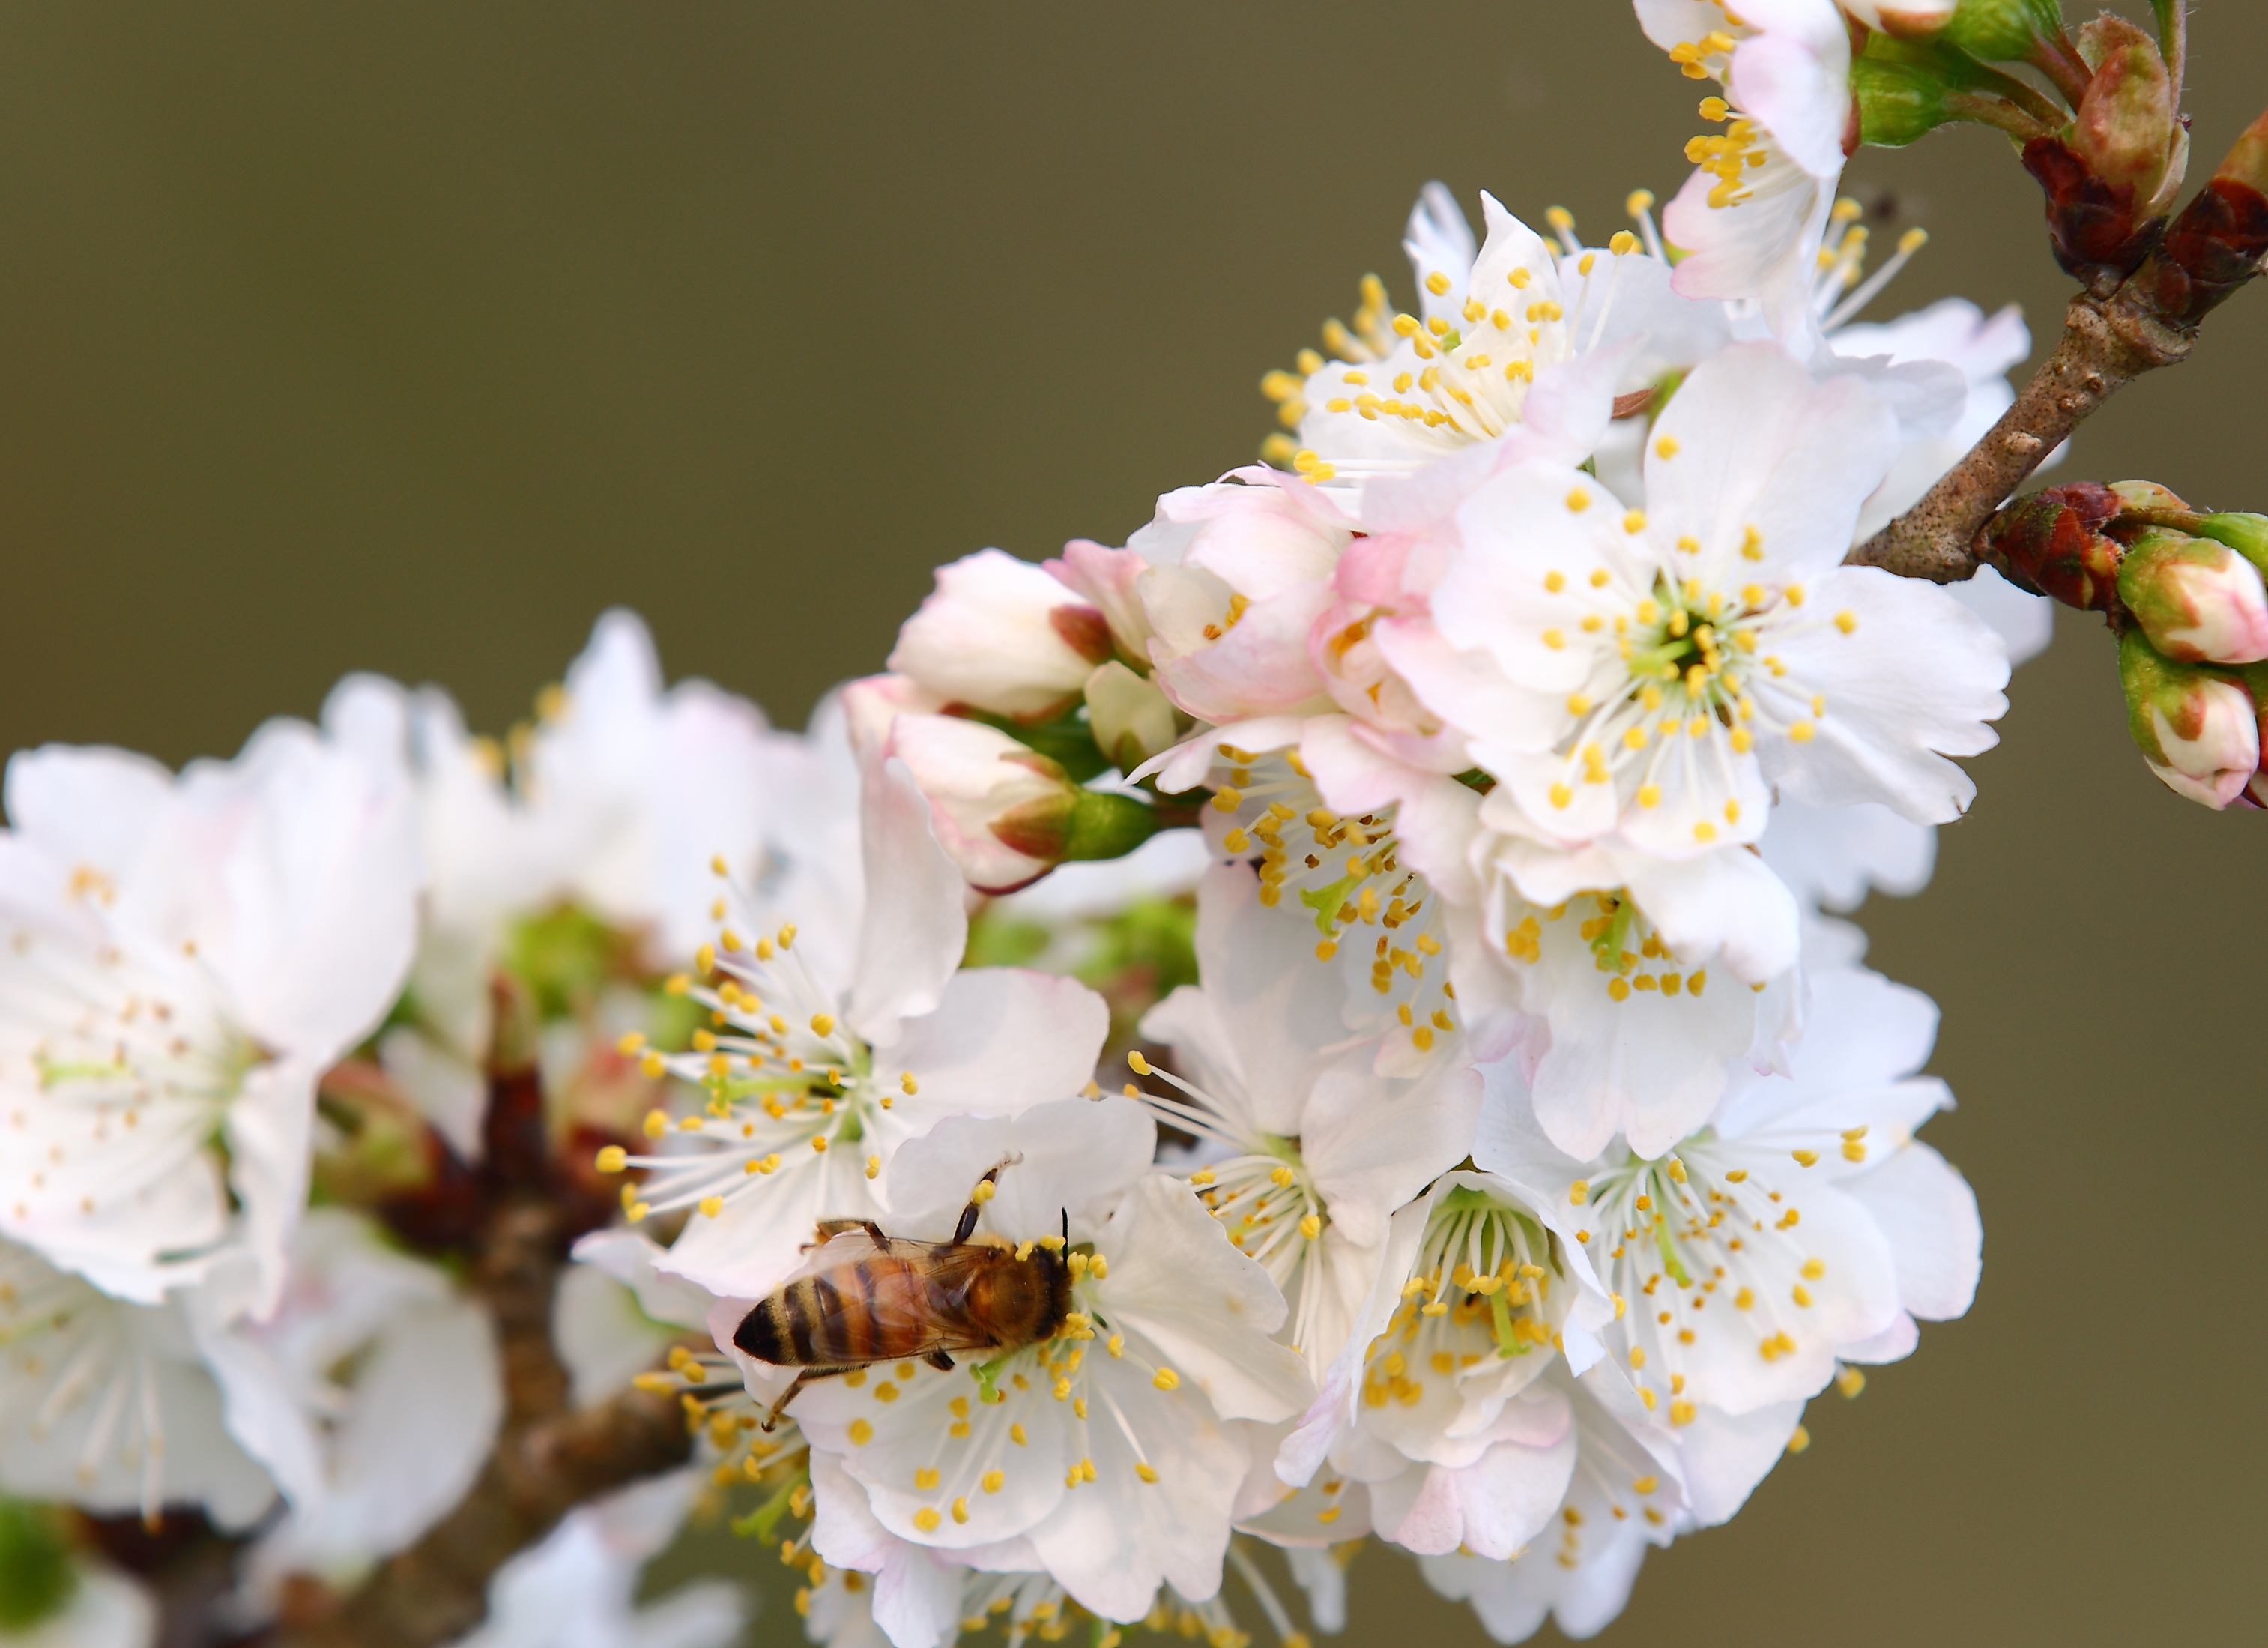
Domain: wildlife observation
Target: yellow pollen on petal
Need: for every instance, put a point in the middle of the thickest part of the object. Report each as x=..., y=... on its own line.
x=926, y=1518
x=1846, y=622
x=1802, y=732
x=1667, y=448
x=1649, y=795
x=1704, y=832
x=1633, y=523
x=1577, y=501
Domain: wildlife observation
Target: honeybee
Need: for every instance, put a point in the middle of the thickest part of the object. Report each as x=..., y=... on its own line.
x=890, y=1299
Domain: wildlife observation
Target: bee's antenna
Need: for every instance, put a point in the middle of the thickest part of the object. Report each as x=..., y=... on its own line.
x=1067, y=1216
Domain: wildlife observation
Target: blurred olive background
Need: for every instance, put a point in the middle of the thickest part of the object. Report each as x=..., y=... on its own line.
x=408, y=337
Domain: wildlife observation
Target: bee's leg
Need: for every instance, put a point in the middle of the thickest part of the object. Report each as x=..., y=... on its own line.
x=967, y=1228
x=874, y=1232
x=772, y=1419
x=804, y=1376
x=827, y=1230
x=940, y=1361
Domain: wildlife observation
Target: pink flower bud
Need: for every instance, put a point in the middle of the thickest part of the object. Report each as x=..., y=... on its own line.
x=1002, y=812
x=1006, y=814
x=2198, y=601
x=2197, y=728
x=998, y=634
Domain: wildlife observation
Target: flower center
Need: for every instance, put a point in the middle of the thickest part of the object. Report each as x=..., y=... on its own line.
x=135, y=1060
x=1701, y=1250
x=1479, y=1294
x=785, y=1081
x=1621, y=941
x=1347, y=870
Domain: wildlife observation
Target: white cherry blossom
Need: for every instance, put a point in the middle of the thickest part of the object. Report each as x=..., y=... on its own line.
x=184, y=957
x=1752, y=217
x=1623, y=1497
x=1804, y=1227
x=1646, y=675
x=366, y=1346
x=1304, y=1152
x=108, y=1405
x=1628, y=988
x=1439, y=1405
x=1105, y=1456
x=578, y=1588
x=824, y=1064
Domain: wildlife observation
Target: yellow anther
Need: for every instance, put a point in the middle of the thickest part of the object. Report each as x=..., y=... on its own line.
x=1704, y=832
x=656, y=1123
x=1555, y=581
x=1802, y=732
x=1846, y=622
x=1561, y=796
x=1633, y=523
x=1649, y=795
x=611, y=1159
x=1166, y=1379
x=1578, y=501
x=1579, y=1191
x=1438, y=283
x=822, y=1024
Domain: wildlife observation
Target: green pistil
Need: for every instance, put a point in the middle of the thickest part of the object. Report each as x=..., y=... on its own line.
x=761, y=1523
x=1669, y=1259
x=1610, y=946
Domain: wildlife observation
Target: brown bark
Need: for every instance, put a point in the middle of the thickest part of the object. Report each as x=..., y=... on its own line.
x=2107, y=344
x=549, y=1459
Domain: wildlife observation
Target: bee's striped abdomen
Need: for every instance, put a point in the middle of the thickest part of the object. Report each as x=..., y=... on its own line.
x=872, y=1310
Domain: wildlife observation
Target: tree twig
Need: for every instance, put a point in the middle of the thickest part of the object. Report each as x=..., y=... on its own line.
x=2107, y=344
x=549, y=1459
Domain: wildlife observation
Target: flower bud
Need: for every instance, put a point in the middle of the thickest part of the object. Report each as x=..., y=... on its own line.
x=2197, y=728
x=2198, y=601
x=2052, y=543
x=2003, y=31
x=2246, y=533
x=2111, y=174
x=2217, y=243
x=1005, y=814
x=998, y=634
x=1130, y=717
x=1900, y=101
x=1907, y=19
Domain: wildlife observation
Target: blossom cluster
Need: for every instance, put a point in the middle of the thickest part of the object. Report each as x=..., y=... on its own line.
x=1370, y=941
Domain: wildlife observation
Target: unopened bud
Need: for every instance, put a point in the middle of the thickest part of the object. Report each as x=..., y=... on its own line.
x=2217, y=243
x=2003, y=31
x=2111, y=175
x=2246, y=533
x=1006, y=814
x=1899, y=100
x=2196, y=727
x=2198, y=601
x=1130, y=717
x=1002, y=812
x=2052, y=543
